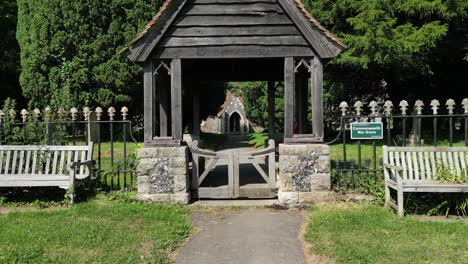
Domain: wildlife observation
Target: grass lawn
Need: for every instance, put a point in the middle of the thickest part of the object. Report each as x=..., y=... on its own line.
x=99, y=231
x=371, y=234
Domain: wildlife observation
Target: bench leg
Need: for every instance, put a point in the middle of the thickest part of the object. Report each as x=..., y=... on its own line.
x=387, y=194
x=401, y=211
x=72, y=195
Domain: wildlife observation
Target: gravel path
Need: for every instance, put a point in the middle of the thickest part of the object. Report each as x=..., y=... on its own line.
x=244, y=236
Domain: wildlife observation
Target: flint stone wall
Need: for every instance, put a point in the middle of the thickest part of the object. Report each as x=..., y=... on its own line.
x=304, y=173
x=163, y=174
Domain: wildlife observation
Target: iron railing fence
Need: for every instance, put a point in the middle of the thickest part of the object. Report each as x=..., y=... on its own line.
x=114, y=142
x=357, y=164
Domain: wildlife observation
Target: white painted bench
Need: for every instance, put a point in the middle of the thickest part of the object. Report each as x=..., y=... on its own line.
x=45, y=166
x=414, y=169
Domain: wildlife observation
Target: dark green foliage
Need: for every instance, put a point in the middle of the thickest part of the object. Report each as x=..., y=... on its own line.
x=9, y=51
x=70, y=51
x=255, y=96
x=396, y=49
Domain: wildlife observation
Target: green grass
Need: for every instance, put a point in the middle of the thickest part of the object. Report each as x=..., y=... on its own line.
x=372, y=234
x=99, y=231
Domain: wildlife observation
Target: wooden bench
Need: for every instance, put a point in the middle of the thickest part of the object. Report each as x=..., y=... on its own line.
x=45, y=166
x=414, y=169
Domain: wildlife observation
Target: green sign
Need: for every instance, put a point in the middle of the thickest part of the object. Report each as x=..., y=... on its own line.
x=373, y=130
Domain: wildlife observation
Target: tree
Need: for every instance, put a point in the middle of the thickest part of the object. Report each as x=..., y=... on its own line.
x=255, y=96
x=9, y=51
x=70, y=51
x=401, y=48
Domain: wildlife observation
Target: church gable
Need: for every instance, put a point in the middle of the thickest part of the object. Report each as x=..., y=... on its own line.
x=233, y=28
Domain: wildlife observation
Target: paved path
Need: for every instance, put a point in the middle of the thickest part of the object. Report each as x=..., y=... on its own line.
x=247, y=236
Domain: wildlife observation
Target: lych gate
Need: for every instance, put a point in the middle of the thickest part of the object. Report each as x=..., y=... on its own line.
x=192, y=41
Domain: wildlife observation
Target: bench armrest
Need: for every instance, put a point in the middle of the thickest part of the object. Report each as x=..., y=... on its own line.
x=393, y=167
x=392, y=172
x=83, y=163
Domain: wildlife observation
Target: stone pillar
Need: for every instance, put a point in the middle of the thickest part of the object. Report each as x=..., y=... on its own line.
x=163, y=174
x=304, y=174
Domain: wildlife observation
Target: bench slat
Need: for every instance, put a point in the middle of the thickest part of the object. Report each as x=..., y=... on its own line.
x=450, y=162
x=463, y=164
x=421, y=166
x=1, y=160
x=21, y=162
x=18, y=183
x=415, y=166
x=403, y=164
x=433, y=163
x=398, y=162
x=54, y=162
x=410, y=165
x=75, y=158
x=428, y=165
x=41, y=148
x=83, y=158
x=456, y=164
x=48, y=159
x=444, y=158
x=34, y=163
x=391, y=160
x=30, y=177
x=14, y=162
x=28, y=161
x=62, y=161
x=429, y=149
x=69, y=160
x=7, y=162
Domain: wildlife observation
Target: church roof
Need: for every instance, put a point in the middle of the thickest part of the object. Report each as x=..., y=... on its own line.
x=304, y=21
x=229, y=97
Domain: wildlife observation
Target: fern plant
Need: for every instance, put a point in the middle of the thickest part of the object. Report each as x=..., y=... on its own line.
x=445, y=174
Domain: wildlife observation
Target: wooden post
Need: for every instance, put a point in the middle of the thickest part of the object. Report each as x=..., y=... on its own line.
x=196, y=111
x=148, y=101
x=176, y=99
x=288, y=97
x=300, y=101
x=271, y=108
x=272, y=165
x=317, y=98
x=235, y=175
x=163, y=92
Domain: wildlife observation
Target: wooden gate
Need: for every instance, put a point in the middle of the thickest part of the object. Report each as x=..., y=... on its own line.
x=206, y=161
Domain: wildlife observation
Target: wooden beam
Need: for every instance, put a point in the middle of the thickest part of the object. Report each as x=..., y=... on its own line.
x=271, y=107
x=288, y=97
x=174, y=42
x=233, y=51
x=232, y=20
x=317, y=98
x=176, y=99
x=148, y=101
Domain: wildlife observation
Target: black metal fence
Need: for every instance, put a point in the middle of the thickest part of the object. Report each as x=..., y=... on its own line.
x=357, y=164
x=114, y=142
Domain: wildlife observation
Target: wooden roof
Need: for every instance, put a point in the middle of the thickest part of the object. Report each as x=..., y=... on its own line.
x=233, y=28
